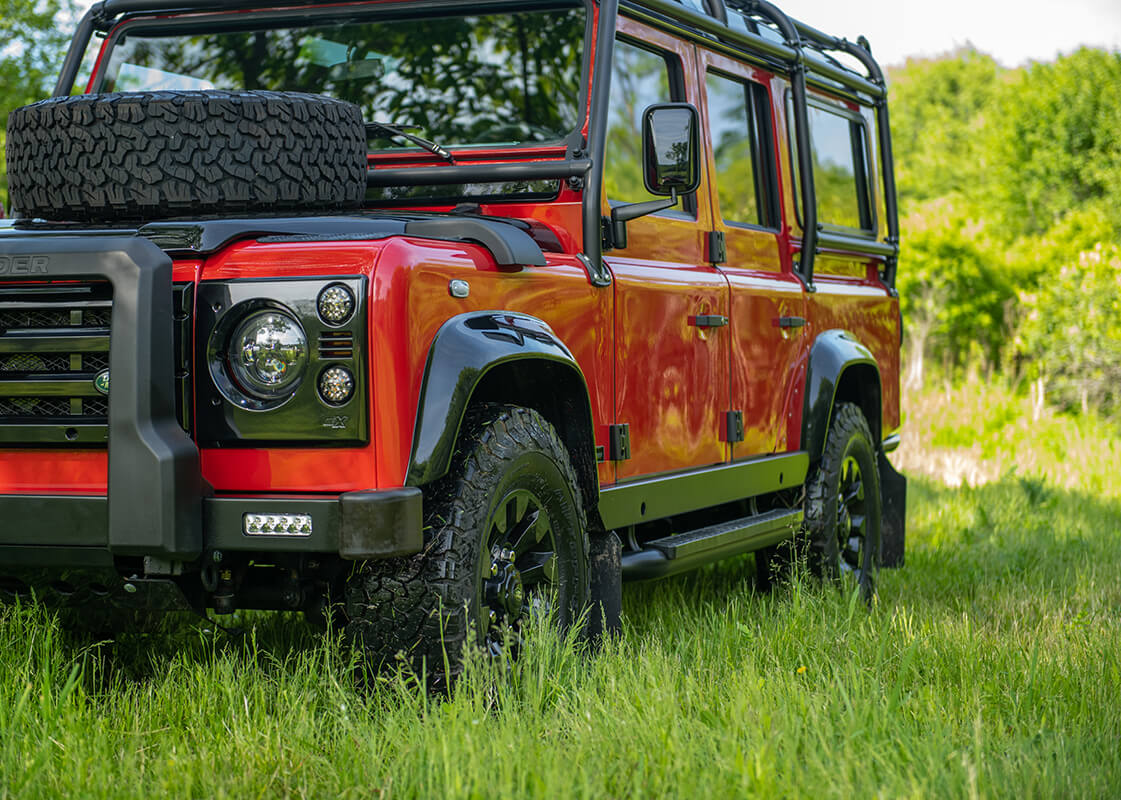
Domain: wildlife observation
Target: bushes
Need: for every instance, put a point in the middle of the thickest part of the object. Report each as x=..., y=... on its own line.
x=1010, y=180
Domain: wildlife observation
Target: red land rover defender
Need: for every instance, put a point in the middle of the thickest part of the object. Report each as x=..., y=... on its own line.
x=442, y=312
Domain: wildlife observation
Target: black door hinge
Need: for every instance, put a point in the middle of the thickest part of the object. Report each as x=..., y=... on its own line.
x=717, y=247
x=734, y=432
x=619, y=442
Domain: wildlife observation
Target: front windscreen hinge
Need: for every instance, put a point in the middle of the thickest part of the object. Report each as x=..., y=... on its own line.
x=717, y=248
x=620, y=442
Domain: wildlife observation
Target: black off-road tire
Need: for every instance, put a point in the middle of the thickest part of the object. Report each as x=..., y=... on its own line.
x=843, y=511
x=422, y=608
x=154, y=155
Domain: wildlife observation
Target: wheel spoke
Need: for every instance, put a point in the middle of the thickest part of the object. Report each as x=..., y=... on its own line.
x=857, y=521
x=539, y=568
x=530, y=531
x=854, y=492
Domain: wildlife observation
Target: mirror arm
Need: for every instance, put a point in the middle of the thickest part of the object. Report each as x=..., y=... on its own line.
x=620, y=215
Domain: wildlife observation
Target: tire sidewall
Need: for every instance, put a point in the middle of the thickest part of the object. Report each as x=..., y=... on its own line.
x=849, y=437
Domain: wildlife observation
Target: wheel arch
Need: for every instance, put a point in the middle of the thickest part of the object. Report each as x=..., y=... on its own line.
x=841, y=370
x=507, y=357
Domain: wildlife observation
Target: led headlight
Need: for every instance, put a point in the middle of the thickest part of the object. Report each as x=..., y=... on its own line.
x=268, y=354
x=336, y=385
x=335, y=304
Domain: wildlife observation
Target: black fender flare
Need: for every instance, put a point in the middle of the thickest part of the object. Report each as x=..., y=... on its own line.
x=465, y=350
x=832, y=354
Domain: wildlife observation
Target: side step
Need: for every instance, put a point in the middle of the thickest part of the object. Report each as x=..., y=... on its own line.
x=685, y=551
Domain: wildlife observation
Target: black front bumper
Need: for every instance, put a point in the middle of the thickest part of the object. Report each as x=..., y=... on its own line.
x=75, y=531
x=156, y=506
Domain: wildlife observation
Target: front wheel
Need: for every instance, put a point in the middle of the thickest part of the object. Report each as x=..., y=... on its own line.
x=505, y=538
x=843, y=505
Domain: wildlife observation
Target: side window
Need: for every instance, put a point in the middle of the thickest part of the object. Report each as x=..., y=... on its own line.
x=740, y=121
x=840, y=169
x=639, y=78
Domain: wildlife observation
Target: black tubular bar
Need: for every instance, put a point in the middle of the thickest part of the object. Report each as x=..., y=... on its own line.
x=73, y=62
x=489, y=173
x=597, y=141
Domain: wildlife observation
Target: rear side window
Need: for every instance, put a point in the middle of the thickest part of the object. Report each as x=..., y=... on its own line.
x=740, y=122
x=840, y=166
x=639, y=78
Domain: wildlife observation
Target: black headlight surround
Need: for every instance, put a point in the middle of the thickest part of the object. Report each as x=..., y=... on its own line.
x=228, y=416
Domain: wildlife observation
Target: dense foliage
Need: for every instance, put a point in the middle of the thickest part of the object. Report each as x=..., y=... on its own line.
x=1010, y=181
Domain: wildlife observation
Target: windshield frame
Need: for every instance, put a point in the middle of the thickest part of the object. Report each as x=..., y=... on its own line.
x=249, y=18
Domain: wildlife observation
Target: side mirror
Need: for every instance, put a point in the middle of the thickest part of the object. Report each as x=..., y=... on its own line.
x=671, y=149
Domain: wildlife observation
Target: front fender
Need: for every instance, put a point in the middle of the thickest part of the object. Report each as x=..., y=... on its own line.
x=466, y=348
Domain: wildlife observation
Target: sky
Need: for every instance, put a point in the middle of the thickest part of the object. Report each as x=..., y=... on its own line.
x=1012, y=31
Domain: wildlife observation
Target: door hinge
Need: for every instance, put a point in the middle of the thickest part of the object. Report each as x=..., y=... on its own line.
x=717, y=247
x=619, y=443
x=791, y=322
x=734, y=425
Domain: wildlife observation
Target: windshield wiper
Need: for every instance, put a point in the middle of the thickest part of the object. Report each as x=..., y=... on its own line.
x=396, y=131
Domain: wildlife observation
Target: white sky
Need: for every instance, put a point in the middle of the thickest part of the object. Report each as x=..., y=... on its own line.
x=1013, y=31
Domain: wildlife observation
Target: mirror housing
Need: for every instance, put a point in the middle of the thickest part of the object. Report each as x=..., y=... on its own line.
x=671, y=147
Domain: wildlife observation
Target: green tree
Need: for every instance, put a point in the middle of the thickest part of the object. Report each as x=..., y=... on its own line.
x=1055, y=141
x=939, y=111
x=36, y=36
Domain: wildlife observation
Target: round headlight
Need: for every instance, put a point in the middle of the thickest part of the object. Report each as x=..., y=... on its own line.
x=335, y=304
x=268, y=354
x=336, y=385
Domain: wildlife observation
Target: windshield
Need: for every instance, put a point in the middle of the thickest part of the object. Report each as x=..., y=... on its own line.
x=486, y=79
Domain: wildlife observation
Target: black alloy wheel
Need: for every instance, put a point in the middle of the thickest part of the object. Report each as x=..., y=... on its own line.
x=843, y=505
x=505, y=537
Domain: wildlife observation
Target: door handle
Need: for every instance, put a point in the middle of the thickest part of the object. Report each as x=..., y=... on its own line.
x=709, y=320
x=791, y=322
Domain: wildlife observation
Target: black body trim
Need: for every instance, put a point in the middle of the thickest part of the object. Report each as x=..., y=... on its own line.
x=155, y=486
x=649, y=499
x=465, y=349
x=831, y=354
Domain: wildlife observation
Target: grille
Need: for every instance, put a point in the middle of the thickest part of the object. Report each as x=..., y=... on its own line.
x=54, y=343
x=54, y=340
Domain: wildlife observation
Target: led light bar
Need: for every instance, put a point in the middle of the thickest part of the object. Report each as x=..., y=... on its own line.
x=276, y=524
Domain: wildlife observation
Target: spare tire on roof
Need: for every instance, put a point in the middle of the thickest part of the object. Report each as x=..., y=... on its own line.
x=153, y=155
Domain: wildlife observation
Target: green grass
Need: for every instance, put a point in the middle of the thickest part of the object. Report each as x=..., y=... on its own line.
x=989, y=668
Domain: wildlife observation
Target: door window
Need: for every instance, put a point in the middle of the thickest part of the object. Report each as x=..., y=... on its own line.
x=739, y=120
x=840, y=166
x=639, y=78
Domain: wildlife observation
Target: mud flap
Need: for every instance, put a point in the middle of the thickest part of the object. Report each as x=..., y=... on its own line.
x=893, y=487
x=605, y=567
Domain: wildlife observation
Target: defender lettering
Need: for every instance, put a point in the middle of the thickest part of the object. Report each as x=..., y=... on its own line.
x=24, y=265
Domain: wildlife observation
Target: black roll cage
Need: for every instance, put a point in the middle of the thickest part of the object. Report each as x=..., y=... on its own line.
x=821, y=71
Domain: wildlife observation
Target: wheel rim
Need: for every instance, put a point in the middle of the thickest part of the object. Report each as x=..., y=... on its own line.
x=852, y=523
x=521, y=577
